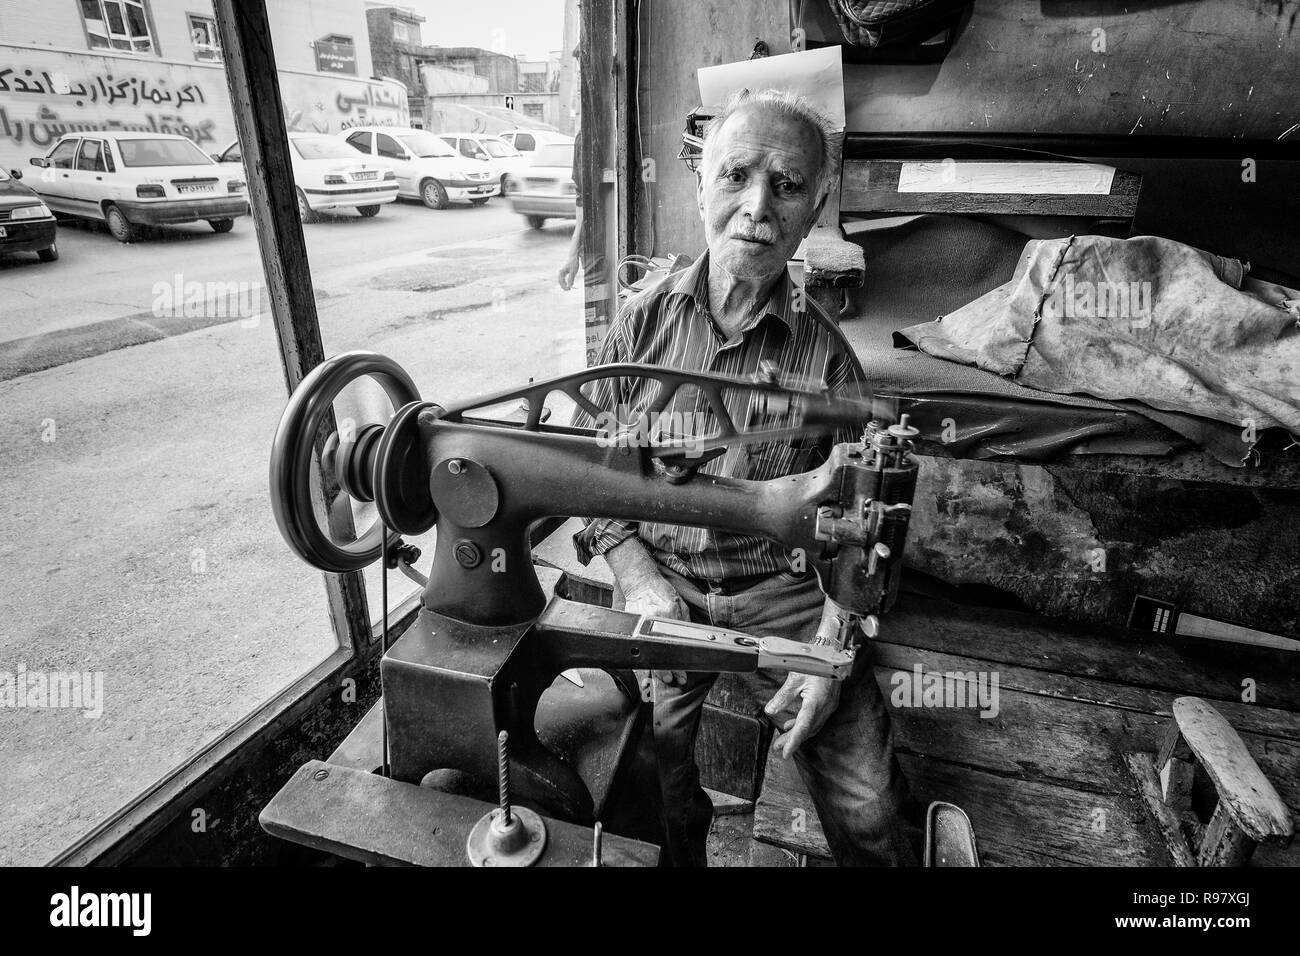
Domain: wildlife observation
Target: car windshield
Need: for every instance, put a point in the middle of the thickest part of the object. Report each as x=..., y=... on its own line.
x=498, y=149
x=554, y=154
x=322, y=147
x=426, y=144
x=4, y=177
x=161, y=152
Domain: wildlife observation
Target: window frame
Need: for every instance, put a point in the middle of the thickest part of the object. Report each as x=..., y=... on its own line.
x=128, y=38
x=190, y=19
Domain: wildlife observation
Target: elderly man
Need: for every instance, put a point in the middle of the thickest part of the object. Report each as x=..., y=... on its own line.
x=767, y=167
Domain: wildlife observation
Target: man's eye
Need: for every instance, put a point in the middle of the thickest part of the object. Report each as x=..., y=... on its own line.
x=735, y=176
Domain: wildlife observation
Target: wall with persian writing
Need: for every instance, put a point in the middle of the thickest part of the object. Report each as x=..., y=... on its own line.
x=46, y=93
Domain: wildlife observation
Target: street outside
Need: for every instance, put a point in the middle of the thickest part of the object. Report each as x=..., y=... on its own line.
x=137, y=420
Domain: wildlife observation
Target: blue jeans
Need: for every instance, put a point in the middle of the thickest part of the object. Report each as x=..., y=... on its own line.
x=849, y=766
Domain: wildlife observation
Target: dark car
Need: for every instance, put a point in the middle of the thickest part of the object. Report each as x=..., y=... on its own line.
x=26, y=223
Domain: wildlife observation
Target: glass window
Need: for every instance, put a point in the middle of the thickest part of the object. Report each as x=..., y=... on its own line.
x=161, y=152
x=497, y=148
x=63, y=154
x=387, y=147
x=203, y=38
x=424, y=144
x=233, y=155
x=117, y=25
x=321, y=147
x=524, y=141
x=360, y=140
x=91, y=157
x=469, y=148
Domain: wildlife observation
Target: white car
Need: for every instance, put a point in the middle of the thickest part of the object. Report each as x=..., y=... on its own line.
x=505, y=160
x=427, y=168
x=546, y=189
x=330, y=175
x=132, y=179
x=526, y=141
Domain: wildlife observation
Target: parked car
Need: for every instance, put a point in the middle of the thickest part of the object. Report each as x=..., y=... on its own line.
x=504, y=159
x=526, y=141
x=132, y=179
x=427, y=168
x=546, y=189
x=26, y=223
x=330, y=175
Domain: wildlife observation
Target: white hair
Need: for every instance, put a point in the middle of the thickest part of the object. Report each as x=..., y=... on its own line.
x=783, y=103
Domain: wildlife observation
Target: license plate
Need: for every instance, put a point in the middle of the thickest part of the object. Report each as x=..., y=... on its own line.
x=193, y=189
x=481, y=189
x=363, y=177
x=3, y=232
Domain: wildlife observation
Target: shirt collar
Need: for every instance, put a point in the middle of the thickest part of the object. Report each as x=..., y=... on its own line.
x=694, y=283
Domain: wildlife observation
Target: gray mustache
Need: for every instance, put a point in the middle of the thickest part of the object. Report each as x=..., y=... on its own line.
x=761, y=235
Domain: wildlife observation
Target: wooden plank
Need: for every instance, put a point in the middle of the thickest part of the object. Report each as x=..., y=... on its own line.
x=871, y=185
x=1206, y=669
x=1247, y=795
x=1162, y=814
x=729, y=752
x=1054, y=738
x=254, y=83
x=378, y=821
x=1253, y=718
x=1016, y=822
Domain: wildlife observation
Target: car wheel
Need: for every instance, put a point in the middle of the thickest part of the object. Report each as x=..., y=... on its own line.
x=221, y=225
x=433, y=195
x=50, y=254
x=305, y=212
x=123, y=229
x=479, y=202
x=536, y=221
x=368, y=211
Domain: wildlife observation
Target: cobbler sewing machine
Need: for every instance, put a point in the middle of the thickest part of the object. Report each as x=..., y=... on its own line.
x=471, y=705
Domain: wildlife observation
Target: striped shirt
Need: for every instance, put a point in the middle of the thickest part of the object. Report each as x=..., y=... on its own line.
x=669, y=325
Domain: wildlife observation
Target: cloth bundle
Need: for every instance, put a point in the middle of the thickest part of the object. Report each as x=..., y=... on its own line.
x=1144, y=318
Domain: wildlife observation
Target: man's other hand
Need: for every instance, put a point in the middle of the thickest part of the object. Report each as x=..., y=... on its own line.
x=817, y=698
x=568, y=273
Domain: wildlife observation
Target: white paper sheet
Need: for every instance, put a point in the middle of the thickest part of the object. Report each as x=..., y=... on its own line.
x=816, y=74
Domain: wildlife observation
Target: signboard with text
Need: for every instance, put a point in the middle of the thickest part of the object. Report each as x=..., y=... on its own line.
x=334, y=57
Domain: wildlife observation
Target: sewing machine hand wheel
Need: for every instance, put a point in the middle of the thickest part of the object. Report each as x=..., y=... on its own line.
x=376, y=463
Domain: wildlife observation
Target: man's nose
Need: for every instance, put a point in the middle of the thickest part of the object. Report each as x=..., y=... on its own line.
x=758, y=200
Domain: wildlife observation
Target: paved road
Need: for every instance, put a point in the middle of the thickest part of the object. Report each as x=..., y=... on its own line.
x=137, y=539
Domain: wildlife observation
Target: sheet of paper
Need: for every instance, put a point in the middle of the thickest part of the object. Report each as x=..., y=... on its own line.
x=1021, y=178
x=816, y=74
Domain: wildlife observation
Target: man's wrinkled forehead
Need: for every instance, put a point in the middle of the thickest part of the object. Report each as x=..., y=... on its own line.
x=733, y=143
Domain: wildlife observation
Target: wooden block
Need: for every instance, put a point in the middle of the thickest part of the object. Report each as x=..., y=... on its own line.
x=1246, y=796
x=1166, y=821
x=1225, y=843
x=729, y=752
x=1176, y=768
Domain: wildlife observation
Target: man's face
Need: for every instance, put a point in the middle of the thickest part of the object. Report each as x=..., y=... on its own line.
x=756, y=195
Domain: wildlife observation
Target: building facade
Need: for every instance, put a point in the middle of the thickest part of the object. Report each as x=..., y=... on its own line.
x=156, y=65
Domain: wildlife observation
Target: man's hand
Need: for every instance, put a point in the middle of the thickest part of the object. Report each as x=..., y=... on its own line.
x=659, y=602
x=817, y=698
x=568, y=272
x=646, y=591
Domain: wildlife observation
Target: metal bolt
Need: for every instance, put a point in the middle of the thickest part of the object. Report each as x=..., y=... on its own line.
x=320, y=774
x=468, y=554
x=503, y=776
x=454, y=466
x=595, y=849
